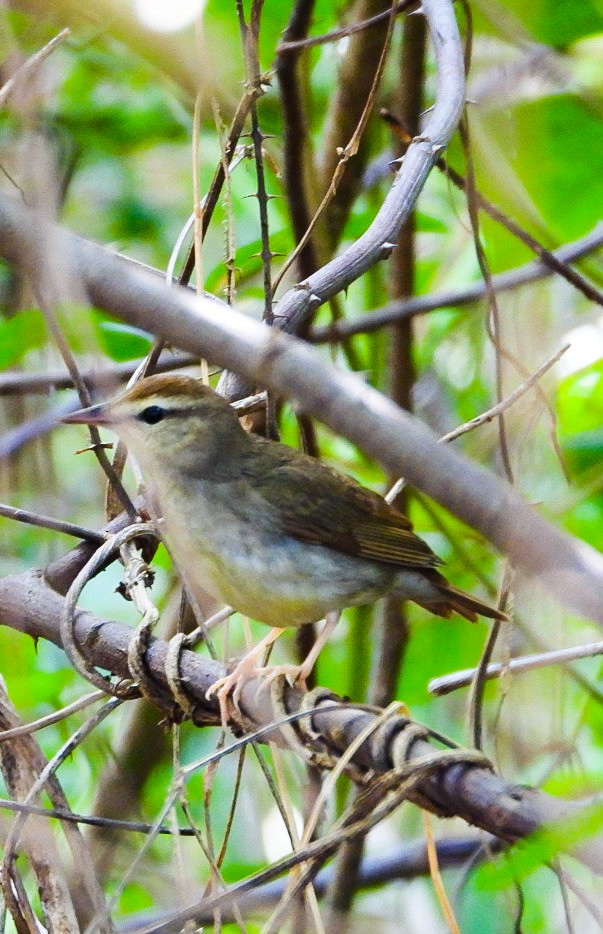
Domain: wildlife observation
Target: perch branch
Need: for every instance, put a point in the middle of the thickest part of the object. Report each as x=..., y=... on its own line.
x=471, y=791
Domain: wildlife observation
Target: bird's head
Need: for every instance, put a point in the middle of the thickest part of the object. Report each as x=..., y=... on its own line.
x=167, y=419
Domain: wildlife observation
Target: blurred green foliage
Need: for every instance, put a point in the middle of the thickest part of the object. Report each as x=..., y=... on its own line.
x=115, y=127
x=19, y=334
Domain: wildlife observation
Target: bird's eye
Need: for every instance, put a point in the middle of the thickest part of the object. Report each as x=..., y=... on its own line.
x=152, y=414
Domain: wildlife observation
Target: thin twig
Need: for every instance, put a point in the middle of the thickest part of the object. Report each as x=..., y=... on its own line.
x=298, y=157
x=25, y=72
x=458, y=679
x=46, y=777
x=226, y=156
x=436, y=875
x=42, y=722
x=250, y=36
x=47, y=522
x=106, y=823
x=546, y=256
x=345, y=154
x=22, y=383
x=401, y=7
x=489, y=414
x=454, y=298
x=508, y=401
x=484, y=266
x=113, y=478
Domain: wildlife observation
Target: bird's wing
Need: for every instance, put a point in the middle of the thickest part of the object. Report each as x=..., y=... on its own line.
x=319, y=505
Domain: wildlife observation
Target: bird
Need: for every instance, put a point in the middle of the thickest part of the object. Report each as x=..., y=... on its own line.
x=271, y=531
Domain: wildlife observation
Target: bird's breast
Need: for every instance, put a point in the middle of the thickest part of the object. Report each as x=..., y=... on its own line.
x=242, y=560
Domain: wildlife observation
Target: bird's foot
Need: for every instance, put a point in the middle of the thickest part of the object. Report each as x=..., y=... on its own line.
x=295, y=674
x=228, y=689
x=228, y=692
x=299, y=674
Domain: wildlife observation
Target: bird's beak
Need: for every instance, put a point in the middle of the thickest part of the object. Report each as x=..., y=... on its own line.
x=93, y=415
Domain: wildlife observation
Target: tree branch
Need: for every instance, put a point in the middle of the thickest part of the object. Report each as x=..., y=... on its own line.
x=466, y=789
x=454, y=298
x=295, y=308
x=567, y=567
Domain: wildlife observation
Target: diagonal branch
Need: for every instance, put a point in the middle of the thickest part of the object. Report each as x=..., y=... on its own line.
x=379, y=239
x=298, y=305
x=454, y=298
x=567, y=567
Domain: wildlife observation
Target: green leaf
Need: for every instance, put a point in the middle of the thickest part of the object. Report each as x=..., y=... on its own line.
x=122, y=341
x=583, y=450
x=20, y=334
x=566, y=133
x=558, y=22
x=108, y=116
x=553, y=22
x=247, y=262
x=540, y=849
x=580, y=402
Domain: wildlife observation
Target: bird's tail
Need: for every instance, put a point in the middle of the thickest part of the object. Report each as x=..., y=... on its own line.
x=452, y=600
x=431, y=590
x=457, y=601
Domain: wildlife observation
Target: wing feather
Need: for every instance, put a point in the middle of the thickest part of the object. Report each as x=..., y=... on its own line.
x=327, y=508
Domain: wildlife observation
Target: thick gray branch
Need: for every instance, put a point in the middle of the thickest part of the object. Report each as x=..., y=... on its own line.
x=297, y=306
x=299, y=302
x=565, y=566
x=468, y=790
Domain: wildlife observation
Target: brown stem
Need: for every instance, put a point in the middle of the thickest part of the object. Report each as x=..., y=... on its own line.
x=296, y=155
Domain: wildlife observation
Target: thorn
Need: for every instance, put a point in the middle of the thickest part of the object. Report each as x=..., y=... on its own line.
x=418, y=12
x=437, y=147
x=314, y=301
x=386, y=249
x=261, y=135
x=102, y=446
x=471, y=100
x=256, y=194
x=397, y=161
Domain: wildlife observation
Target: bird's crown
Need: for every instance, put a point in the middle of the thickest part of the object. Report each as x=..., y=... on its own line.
x=172, y=388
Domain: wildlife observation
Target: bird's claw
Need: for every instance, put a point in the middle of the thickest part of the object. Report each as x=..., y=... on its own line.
x=223, y=688
x=295, y=674
x=228, y=689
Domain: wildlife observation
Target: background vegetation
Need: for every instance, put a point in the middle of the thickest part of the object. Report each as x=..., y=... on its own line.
x=100, y=137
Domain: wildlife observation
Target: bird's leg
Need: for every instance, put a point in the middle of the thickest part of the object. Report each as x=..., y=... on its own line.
x=246, y=668
x=302, y=672
x=243, y=671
